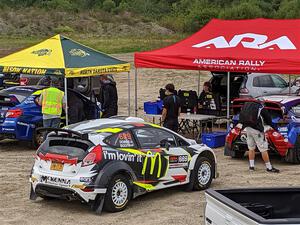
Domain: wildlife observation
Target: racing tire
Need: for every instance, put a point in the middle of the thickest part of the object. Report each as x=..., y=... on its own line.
x=202, y=174
x=118, y=194
x=237, y=155
x=293, y=155
x=37, y=139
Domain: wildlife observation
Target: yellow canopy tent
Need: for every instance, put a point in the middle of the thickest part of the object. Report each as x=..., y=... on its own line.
x=62, y=56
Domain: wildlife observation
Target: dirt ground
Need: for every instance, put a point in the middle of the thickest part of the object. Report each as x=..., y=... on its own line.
x=172, y=206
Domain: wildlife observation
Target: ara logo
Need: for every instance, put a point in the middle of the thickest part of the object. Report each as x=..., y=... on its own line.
x=257, y=41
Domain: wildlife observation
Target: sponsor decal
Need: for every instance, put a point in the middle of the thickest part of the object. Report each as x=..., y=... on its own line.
x=42, y=52
x=178, y=159
x=55, y=180
x=8, y=129
x=128, y=157
x=34, y=71
x=257, y=41
x=125, y=140
x=78, y=52
x=153, y=158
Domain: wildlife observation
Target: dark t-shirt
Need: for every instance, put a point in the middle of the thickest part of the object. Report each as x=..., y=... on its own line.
x=172, y=104
x=205, y=99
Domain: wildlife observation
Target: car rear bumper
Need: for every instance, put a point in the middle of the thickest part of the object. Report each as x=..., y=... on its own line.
x=69, y=188
x=13, y=129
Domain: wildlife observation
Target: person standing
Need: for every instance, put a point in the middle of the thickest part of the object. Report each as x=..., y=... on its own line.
x=52, y=102
x=205, y=104
x=108, y=96
x=256, y=120
x=171, y=109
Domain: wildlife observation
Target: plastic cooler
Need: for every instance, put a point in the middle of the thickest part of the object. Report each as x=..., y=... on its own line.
x=153, y=107
x=214, y=139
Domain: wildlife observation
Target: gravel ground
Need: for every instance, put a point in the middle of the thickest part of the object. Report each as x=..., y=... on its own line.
x=172, y=206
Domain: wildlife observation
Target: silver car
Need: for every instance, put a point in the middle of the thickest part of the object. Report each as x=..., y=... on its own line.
x=250, y=85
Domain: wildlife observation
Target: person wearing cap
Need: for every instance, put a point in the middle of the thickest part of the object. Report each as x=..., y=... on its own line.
x=52, y=102
x=108, y=96
x=205, y=101
x=171, y=109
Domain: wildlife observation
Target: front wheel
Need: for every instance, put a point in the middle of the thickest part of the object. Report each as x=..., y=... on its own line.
x=118, y=194
x=202, y=174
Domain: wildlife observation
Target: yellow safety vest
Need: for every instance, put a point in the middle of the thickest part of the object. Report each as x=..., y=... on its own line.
x=52, y=101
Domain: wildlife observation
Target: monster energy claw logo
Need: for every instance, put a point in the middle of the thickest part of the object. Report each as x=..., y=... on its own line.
x=152, y=157
x=78, y=52
x=42, y=52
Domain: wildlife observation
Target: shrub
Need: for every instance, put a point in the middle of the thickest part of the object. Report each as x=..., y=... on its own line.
x=108, y=5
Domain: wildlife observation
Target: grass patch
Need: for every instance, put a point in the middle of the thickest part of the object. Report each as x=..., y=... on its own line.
x=108, y=45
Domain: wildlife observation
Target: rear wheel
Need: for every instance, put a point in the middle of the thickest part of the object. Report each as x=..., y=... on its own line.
x=202, y=174
x=238, y=155
x=118, y=194
x=293, y=155
x=37, y=139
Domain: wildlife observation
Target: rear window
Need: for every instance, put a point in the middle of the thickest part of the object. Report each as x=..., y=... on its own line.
x=20, y=94
x=263, y=81
x=71, y=148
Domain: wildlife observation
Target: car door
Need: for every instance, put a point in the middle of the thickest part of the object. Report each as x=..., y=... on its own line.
x=165, y=165
x=262, y=85
x=281, y=86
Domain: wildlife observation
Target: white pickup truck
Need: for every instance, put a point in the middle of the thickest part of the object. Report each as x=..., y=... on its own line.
x=252, y=206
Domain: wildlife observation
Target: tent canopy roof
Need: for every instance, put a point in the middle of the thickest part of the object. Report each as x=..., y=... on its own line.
x=60, y=55
x=257, y=45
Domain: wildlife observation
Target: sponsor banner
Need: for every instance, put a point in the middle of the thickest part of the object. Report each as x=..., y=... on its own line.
x=97, y=70
x=33, y=71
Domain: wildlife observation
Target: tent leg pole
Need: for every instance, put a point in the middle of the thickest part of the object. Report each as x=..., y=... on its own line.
x=228, y=97
x=199, y=81
x=66, y=96
x=128, y=93
x=289, y=84
x=135, y=95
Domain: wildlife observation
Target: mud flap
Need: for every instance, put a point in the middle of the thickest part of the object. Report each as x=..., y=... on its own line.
x=97, y=205
x=33, y=196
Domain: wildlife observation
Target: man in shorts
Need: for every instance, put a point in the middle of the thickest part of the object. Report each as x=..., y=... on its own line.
x=256, y=121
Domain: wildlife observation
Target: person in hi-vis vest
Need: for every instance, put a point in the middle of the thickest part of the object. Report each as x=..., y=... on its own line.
x=52, y=101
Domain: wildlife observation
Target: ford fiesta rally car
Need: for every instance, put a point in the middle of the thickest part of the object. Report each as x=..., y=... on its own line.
x=110, y=161
x=20, y=114
x=284, y=140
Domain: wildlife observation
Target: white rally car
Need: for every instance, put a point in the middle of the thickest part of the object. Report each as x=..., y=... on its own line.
x=107, y=162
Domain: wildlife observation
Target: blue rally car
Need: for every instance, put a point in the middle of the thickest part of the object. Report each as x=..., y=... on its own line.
x=20, y=114
x=284, y=140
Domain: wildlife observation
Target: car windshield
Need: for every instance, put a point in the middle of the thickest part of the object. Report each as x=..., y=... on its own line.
x=21, y=93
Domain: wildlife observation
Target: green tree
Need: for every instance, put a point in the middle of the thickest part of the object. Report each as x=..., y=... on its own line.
x=289, y=9
x=244, y=10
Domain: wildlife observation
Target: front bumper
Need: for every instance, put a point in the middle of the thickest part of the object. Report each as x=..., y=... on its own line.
x=69, y=188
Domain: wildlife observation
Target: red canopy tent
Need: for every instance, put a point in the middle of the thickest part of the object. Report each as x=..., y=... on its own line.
x=257, y=45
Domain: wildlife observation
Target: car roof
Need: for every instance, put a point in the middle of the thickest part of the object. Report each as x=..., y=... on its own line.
x=103, y=124
x=25, y=88
x=283, y=99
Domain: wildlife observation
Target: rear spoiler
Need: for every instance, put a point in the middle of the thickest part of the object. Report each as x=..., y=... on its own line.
x=69, y=133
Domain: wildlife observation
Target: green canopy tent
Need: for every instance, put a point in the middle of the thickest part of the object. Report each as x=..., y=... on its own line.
x=62, y=56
